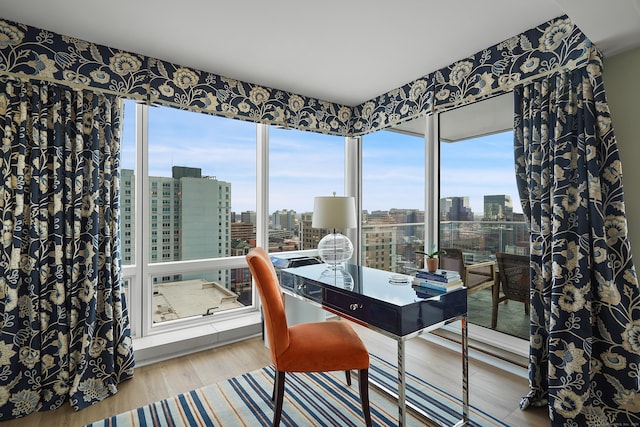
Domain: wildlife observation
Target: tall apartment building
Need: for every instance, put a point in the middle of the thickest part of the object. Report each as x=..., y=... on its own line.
x=456, y=209
x=127, y=212
x=379, y=235
x=379, y=248
x=189, y=218
x=309, y=237
x=498, y=207
x=283, y=220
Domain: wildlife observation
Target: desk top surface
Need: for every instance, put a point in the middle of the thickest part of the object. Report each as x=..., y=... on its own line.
x=377, y=298
x=392, y=288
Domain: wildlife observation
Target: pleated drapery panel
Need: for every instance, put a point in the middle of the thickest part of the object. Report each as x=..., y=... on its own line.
x=585, y=302
x=64, y=332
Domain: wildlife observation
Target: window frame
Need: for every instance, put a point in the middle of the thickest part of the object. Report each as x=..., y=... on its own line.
x=493, y=338
x=140, y=274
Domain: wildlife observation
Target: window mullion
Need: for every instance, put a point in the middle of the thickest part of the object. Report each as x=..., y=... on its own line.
x=432, y=180
x=262, y=183
x=142, y=212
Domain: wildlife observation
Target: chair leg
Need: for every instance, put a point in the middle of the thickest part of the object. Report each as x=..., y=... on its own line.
x=347, y=375
x=363, y=380
x=495, y=299
x=278, y=383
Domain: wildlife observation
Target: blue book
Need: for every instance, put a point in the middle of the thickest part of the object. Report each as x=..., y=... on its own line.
x=440, y=286
x=439, y=275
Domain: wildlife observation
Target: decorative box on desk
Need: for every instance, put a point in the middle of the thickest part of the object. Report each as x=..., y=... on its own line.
x=374, y=297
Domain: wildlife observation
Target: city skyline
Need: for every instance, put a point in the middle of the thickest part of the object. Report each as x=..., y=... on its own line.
x=304, y=164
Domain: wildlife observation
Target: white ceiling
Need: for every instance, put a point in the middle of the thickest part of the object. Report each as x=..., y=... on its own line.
x=344, y=51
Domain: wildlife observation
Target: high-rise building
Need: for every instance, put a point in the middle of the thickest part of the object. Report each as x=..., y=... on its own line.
x=459, y=209
x=283, y=220
x=127, y=220
x=498, y=207
x=379, y=235
x=309, y=237
x=379, y=247
x=189, y=218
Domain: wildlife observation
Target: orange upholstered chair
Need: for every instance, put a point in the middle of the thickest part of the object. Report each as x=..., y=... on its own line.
x=307, y=347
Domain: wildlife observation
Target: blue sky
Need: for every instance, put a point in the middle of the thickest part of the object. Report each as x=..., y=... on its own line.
x=304, y=165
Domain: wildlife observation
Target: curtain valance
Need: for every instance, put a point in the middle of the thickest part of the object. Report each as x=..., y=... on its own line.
x=28, y=52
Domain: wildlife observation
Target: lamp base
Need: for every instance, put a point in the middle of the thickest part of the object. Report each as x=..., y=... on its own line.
x=335, y=249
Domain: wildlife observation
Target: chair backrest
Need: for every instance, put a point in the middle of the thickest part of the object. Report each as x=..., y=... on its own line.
x=515, y=276
x=475, y=276
x=275, y=319
x=452, y=259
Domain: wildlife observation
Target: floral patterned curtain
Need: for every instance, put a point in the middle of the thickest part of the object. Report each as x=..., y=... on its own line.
x=33, y=53
x=585, y=303
x=64, y=331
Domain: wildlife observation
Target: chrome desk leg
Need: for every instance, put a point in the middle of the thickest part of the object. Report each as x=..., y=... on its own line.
x=465, y=372
x=402, y=403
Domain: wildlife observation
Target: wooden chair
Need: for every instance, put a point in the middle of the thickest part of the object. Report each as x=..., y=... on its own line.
x=515, y=282
x=476, y=277
x=307, y=347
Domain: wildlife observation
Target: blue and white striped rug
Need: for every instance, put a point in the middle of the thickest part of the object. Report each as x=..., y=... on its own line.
x=316, y=399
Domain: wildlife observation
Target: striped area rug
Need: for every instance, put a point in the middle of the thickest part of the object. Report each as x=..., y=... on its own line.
x=315, y=399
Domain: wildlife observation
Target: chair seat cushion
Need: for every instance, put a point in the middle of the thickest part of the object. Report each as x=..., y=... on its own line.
x=323, y=346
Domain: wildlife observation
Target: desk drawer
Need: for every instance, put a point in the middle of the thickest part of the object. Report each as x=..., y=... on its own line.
x=373, y=313
x=299, y=286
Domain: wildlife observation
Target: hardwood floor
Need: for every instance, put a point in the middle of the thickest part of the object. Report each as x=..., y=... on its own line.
x=494, y=390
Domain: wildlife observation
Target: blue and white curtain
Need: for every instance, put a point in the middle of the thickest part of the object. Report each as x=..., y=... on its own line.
x=585, y=303
x=64, y=331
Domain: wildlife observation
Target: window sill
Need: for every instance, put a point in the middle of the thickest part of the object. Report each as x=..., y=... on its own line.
x=175, y=343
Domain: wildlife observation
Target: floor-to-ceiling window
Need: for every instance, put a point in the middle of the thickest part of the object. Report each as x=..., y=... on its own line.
x=190, y=184
x=187, y=180
x=190, y=213
x=302, y=165
x=393, y=170
x=475, y=196
x=479, y=208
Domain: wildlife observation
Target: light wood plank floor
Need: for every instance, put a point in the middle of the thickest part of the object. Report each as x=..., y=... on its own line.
x=491, y=389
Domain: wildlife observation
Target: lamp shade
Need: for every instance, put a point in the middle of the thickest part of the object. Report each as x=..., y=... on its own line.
x=334, y=212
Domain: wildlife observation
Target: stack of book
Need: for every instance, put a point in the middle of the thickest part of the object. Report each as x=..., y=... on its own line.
x=439, y=280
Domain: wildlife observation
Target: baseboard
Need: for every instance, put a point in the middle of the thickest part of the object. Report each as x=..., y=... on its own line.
x=500, y=358
x=167, y=345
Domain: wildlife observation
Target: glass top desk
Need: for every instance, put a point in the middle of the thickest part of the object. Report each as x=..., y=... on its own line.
x=387, y=303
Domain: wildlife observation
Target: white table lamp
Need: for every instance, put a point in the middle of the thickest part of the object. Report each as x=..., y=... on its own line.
x=334, y=212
